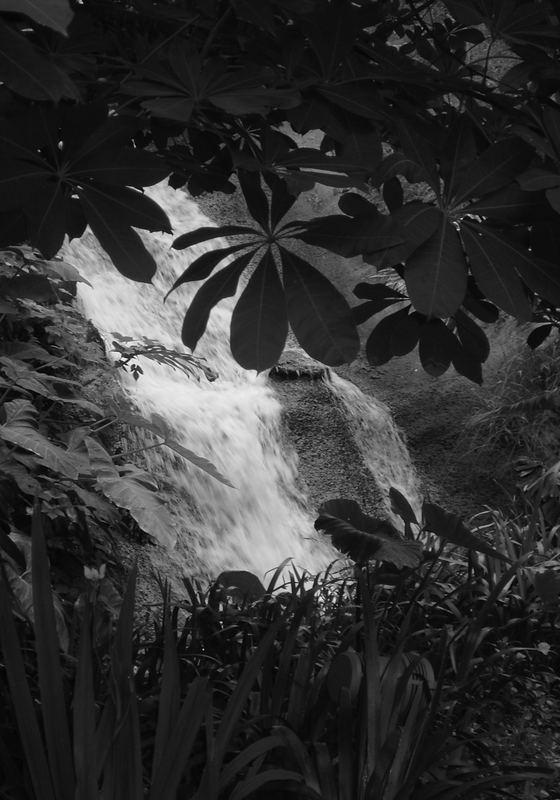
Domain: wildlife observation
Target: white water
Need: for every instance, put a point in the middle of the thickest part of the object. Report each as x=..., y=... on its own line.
x=379, y=442
x=234, y=421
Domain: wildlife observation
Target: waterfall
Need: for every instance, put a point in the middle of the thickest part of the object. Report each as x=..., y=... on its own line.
x=235, y=421
x=379, y=441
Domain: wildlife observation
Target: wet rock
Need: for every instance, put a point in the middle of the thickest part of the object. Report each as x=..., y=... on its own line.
x=297, y=365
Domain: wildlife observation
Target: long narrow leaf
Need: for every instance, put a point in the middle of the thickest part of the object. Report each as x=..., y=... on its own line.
x=84, y=717
x=53, y=703
x=169, y=696
x=203, y=266
x=181, y=740
x=205, y=234
x=32, y=742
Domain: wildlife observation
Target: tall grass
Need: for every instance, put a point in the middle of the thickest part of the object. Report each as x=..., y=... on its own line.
x=340, y=687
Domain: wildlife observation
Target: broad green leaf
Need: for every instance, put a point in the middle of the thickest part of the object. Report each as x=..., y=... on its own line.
x=467, y=365
x=27, y=72
x=117, y=167
x=334, y=38
x=415, y=222
x=361, y=546
x=131, y=492
x=436, y=347
x=254, y=100
x=259, y=323
x=451, y=527
x=401, y=506
x=281, y=199
x=123, y=245
x=536, y=179
x=350, y=511
x=30, y=287
x=53, y=704
x=203, y=266
x=20, y=180
x=363, y=101
x=222, y=284
x=472, y=337
x=416, y=144
x=20, y=429
x=55, y=14
x=349, y=236
x=539, y=335
x=379, y=348
x=493, y=263
x=255, y=197
x=178, y=108
x=510, y=204
x=319, y=315
x=458, y=152
x=46, y=219
x=404, y=336
x=129, y=206
x=205, y=234
x=379, y=297
x=496, y=167
x=436, y=273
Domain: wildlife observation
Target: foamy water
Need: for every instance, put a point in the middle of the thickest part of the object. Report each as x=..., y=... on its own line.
x=234, y=421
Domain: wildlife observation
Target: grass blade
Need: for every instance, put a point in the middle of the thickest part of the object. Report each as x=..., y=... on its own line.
x=169, y=697
x=53, y=703
x=84, y=717
x=181, y=740
x=32, y=742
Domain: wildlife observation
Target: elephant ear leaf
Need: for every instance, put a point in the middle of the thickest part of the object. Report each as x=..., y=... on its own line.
x=373, y=539
x=451, y=527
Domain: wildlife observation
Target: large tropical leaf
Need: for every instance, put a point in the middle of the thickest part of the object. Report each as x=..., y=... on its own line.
x=452, y=528
x=20, y=429
x=498, y=166
x=222, y=284
x=131, y=492
x=55, y=14
x=493, y=265
x=363, y=537
x=259, y=323
x=319, y=315
x=436, y=273
x=26, y=71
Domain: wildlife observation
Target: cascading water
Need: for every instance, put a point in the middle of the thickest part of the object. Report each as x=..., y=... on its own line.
x=234, y=421
x=379, y=441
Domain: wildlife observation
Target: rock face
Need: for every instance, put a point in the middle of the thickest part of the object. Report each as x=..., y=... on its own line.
x=316, y=426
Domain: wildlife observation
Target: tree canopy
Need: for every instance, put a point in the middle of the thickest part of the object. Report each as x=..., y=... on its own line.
x=440, y=121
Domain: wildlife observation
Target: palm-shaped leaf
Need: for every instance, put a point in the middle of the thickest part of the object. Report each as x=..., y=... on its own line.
x=259, y=323
x=320, y=317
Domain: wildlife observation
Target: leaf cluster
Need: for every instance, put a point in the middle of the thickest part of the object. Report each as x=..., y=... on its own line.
x=100, y=100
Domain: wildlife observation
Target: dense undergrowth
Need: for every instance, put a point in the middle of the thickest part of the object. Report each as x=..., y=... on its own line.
x=389, y=676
